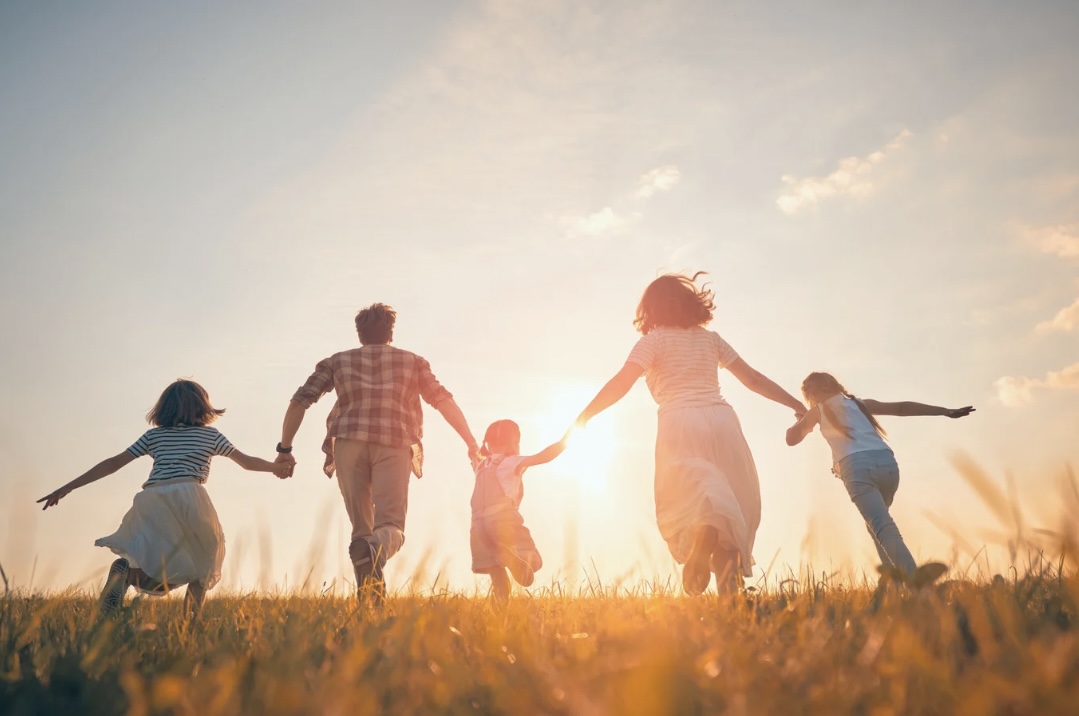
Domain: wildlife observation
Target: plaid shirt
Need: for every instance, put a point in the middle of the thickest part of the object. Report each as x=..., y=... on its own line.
x=378, y=398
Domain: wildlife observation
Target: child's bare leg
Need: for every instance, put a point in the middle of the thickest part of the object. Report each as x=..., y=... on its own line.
x=193, y=598
x=500, y=584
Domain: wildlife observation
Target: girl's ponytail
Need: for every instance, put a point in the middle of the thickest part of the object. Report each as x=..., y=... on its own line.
x=868, y=416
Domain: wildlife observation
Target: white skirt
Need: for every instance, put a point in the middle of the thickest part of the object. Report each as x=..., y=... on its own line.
x=172, y=534
x=705, y=476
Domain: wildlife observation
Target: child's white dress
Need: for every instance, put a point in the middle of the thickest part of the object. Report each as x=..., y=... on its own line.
x=705, y=474
x=498, y=537
x=172, y=532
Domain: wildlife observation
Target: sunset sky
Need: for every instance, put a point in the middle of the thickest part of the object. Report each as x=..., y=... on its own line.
x=886, y=191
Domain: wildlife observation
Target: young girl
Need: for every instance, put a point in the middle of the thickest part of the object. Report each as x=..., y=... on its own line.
x=500, y=540
x=171, y=535
x=862, y=460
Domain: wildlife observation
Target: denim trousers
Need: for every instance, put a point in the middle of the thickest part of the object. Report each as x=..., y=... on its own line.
x=871, y=479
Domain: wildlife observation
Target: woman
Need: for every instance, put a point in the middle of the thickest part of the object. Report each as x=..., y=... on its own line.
x=708, y=500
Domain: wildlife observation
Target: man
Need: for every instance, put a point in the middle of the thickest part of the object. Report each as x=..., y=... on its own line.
x=373, y=436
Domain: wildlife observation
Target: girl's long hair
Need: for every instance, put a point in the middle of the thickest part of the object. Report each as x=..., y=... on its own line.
x=184, y=402
x=674, y=300
x=500, y=434
x=818, y=387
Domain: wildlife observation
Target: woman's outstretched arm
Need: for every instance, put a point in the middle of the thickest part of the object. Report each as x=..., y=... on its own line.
x=909, y=408
x=615, y=389
x=762, y=385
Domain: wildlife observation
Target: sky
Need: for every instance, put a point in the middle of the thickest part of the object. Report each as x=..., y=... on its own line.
x=884, y=191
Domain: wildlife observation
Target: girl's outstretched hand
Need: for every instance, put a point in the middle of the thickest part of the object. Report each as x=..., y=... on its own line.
x=960, y=412
x=54, y=497
x=283, y=470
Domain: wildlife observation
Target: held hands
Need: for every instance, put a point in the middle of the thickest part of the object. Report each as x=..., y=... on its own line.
x=960, y=412
x=284, y=465
x=53, y=498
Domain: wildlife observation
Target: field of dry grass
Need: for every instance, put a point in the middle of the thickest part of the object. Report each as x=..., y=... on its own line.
x=1009, y=646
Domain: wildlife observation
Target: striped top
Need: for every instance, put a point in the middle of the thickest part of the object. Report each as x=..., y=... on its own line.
x=681, y=365
x=182, y=452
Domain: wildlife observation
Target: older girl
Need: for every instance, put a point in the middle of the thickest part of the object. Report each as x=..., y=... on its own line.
x=171, y=534
x=861, y=458
x=708, y=500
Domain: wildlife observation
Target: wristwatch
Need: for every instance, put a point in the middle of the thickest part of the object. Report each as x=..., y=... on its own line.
x=284, y=450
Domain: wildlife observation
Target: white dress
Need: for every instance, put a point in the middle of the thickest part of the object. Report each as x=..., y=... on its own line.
x=705, y=474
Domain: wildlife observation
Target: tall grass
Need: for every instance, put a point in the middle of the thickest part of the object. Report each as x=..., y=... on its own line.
x=795, y=643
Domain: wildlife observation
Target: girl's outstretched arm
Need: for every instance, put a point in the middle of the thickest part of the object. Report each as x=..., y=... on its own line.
x=763, y=385
x=908, y=408
x=257, y=464
x=547, y=454
x=95, y=473
x=615, y=389
x=797, y=432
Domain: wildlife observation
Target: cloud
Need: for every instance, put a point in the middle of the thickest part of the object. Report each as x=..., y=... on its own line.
x=852, y=177
x=604, y=221
x=1066, y=319
x=1014, y=391
x=657, y=180
x=1062, y=240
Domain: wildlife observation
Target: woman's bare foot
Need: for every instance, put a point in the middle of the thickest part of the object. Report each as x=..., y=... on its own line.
x=696, y=574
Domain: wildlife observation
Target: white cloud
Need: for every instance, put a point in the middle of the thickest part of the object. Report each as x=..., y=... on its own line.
x=1066, y=319
x=657, y=180
x=852, y=177
x=1062, y=240
x=604, y=221
x=1013, y=391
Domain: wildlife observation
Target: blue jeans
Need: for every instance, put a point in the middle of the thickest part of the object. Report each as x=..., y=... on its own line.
x=871, y=479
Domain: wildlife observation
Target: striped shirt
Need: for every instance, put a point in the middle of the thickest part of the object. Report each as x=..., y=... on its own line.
x=181, y=452
x=681, y=365
x=379, y=388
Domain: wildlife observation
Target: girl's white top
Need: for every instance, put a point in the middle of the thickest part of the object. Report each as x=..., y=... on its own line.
x=863, y=436
x=508, y=472
x=681, y=365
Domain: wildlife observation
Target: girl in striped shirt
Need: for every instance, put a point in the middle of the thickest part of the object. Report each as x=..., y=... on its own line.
x=171, y=534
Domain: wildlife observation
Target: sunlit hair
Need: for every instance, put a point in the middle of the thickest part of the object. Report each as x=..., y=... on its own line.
x=375, y=323
x=502, y=436
x=184, y=402
x=674, y=300
x=819, y=387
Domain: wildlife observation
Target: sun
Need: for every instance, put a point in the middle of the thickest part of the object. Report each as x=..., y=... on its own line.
x=591, y=450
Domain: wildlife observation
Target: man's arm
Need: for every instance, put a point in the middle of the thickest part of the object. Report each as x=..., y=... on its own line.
x=456, y=419
x=289, y=427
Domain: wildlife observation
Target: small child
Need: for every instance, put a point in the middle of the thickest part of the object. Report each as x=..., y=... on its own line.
x=500, y=541
x=861, y=458
x=171, y=534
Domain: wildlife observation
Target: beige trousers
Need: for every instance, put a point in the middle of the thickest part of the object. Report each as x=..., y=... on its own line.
x=374, y=483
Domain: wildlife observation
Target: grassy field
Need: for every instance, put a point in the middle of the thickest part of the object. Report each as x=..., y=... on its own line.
x=1003, y=646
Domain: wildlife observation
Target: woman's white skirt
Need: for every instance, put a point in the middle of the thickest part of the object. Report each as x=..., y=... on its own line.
x=172, y=534
x=705, y=476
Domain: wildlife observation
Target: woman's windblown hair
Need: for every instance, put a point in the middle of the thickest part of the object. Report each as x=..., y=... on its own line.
x=819, y=387
x=674, y=300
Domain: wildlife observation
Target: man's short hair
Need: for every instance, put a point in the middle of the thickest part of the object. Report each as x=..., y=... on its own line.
x=375, y=324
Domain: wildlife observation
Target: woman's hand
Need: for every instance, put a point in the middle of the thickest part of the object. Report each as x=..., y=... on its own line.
x=54, y=497
x=959, y=412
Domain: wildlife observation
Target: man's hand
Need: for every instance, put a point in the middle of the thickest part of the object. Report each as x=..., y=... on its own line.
x=287, y=459
x=960, y=412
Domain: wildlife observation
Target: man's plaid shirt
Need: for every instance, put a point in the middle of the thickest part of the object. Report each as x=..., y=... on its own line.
x=378, y=398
